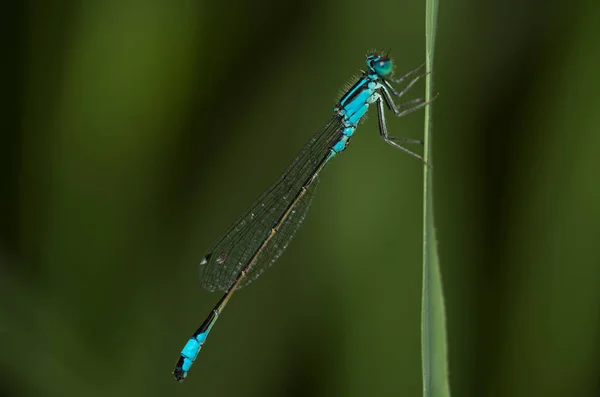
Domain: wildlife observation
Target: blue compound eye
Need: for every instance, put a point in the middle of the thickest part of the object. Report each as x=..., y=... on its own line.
x=382, y=66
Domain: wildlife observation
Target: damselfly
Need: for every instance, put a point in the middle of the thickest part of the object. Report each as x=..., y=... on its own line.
x=260, y=236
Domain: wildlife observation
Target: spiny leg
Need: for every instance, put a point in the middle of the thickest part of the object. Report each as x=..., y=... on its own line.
x=408, y=107
x=405, y=89
x=402, y=106
x=384, y=134
x=405, y=140
x=407, y=75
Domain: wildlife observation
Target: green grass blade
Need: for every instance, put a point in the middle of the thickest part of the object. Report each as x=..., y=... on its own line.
x=433, y=321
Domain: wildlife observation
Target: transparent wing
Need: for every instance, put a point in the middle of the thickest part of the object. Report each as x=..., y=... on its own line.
x=224, y=261
x=282, y=238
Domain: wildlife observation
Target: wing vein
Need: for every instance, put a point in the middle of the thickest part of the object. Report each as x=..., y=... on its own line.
x=234, y=249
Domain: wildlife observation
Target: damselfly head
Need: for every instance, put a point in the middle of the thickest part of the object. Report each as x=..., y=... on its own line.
x=380, y=64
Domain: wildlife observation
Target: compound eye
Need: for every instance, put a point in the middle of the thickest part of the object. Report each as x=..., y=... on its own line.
x=383, y=66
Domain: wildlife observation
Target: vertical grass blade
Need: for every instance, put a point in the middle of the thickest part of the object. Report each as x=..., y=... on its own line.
x=433, y=319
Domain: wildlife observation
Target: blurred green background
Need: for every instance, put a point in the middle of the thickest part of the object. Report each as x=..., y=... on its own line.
x=136, y=132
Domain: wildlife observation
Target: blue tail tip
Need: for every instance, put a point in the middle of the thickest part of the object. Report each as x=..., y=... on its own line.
x=179, y=373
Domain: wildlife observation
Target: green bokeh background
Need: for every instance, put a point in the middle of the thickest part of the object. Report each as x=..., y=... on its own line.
x=136, y=132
